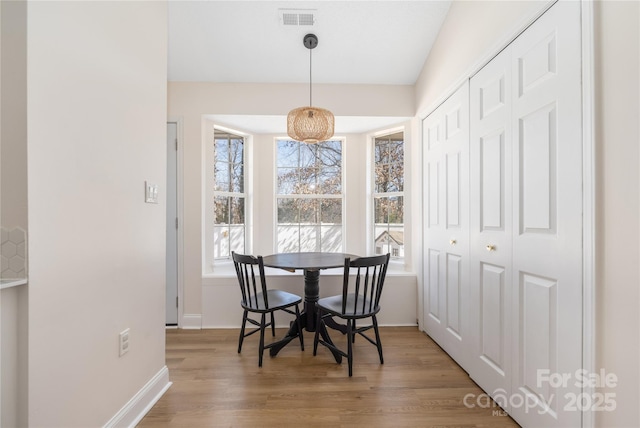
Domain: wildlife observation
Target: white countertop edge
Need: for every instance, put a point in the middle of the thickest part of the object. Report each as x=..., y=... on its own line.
x=8, y=283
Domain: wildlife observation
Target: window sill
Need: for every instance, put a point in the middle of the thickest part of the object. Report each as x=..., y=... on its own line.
x=225, y=269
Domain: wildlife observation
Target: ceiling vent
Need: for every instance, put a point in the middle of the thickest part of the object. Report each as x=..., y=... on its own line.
x=297, y=17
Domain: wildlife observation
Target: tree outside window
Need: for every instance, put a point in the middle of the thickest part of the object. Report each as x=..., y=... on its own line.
x=388, y=199
x=228, y=196
x=309, y=196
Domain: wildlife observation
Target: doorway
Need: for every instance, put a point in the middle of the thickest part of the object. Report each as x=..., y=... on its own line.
x=172, y=303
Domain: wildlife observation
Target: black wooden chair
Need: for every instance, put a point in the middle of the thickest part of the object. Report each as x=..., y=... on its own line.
x=359, y=299
x=257, y=299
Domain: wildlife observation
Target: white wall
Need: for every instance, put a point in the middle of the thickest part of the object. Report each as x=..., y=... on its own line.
x=221, y=297
x=470, y=31
x=617, y=133
x=191, y=102
x=96, y=131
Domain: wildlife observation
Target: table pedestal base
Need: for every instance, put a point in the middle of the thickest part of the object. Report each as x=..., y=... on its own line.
x=309, y=315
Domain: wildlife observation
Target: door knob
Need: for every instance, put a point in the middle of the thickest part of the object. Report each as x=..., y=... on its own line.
x=491, y=247
x=452, y=241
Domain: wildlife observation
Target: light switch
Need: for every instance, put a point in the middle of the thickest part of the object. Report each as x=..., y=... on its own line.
x=150, y=193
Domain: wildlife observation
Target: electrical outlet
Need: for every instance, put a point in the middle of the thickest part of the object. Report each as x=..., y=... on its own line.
x=124, y=342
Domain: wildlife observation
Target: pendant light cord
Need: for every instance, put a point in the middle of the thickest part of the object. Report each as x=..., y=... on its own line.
x=310, y=81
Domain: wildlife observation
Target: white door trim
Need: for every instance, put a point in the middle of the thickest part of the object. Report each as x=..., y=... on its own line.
x=180, y=212
x=588, y=203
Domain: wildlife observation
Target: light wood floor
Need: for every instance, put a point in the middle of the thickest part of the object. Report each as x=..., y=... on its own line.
x=419, y=385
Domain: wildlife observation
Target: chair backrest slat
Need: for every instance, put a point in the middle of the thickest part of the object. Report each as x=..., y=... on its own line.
x=249, y=288
x=366, y=289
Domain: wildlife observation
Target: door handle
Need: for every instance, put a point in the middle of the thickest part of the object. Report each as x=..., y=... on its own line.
x=453, y=242
x=491, y=247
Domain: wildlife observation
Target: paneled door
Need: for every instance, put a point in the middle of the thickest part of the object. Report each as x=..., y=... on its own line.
x=526, y=222
x=446, y=229
x=547, y=217
x=491, y=226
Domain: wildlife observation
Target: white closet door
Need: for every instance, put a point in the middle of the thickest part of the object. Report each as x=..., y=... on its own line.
x=491, y=225
x=547, y=216
x=446, y=236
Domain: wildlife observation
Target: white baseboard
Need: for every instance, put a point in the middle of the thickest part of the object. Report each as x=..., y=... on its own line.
x=192, y=321
x=133, y=412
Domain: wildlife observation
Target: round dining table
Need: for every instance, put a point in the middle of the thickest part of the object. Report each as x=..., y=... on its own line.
x=311, y=263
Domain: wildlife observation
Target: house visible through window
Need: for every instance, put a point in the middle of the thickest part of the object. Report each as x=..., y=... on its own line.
x=388, y=197
x=229, y=195
x=309, y=196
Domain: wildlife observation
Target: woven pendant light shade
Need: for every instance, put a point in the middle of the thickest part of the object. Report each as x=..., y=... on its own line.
x=310, y=124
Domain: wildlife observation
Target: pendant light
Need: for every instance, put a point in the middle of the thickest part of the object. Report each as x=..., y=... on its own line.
x=310, y=124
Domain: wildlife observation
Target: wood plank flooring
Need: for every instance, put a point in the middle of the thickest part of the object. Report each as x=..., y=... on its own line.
x=419, y=385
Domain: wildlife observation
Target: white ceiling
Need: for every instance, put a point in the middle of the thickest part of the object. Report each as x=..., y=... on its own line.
x=360, y=42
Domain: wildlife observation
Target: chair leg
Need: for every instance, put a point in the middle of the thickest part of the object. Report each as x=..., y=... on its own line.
x=300, y=332
x=244, y=321
x=273, y=325
x=378, y=342
x=350, y=335
x=318, y=327
x=354, y=329
x=261, y=347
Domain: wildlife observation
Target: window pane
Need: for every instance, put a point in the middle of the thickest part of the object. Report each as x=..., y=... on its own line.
x=288, y=239
x=287, y=153
x=388, y=177
x=228, y=208
x=382, y=178
x=308, y=155
x=330, y=181
x=222, y=149
x=237, y=178
x=396, y=152
x=221, y=242
x=331, y=211
x=308, y=181
x=308, y=238
x=287, y=180
x=236, y=151
x=308, y=211
x=396, y=178
x=331, y=238
x=395, y=210
x=312, y=170
x=288, y=212
x=237, y=210
x=330, y=153
x=395, y=241
x=222, y=176
x=221, y=210
x=380, y=210
x=236, y=234
x=381, y=152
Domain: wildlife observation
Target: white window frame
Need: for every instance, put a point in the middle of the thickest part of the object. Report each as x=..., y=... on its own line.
x=340, y=196
x=209, y=263
x=374, y=195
